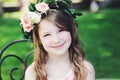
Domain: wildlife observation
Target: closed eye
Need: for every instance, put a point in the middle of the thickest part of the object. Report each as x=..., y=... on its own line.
x=61, y=30
x=46, y=35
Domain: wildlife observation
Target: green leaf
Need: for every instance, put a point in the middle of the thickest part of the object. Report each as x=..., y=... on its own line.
x=49, y=1
x=32, y=7
x=69, y=2
x=39, y=1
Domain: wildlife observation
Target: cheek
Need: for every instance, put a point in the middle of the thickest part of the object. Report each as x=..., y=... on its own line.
x=66, y=36
x=46, y=42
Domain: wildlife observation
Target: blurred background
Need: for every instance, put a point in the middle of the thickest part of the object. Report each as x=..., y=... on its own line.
x=98, y=29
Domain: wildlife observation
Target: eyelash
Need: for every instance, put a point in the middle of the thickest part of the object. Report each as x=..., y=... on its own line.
x=49, y=34
x=46, y=35
x=61, y=30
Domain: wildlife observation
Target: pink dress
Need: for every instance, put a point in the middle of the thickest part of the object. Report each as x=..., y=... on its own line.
x=68, y=76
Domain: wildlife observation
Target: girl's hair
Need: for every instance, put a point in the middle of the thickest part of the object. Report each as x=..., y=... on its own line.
x=76, y=55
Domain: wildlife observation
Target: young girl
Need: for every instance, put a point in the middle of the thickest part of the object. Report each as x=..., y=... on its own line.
x=58, y=54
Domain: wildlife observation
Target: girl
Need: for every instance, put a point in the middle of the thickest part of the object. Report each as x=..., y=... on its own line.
x=58, y=54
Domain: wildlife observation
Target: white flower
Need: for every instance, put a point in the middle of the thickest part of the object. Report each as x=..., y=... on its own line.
x=34, y=17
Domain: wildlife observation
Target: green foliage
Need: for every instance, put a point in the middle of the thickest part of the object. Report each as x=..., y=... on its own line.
x=69, y=2
x=9, y=0
x=49, y=1
x=101, y=36
x=32, y=7
x=10, y=30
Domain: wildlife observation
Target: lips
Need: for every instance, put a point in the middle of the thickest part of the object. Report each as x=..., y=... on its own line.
x=58, y=46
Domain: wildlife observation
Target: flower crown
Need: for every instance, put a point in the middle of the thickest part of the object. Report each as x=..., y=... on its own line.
x=40, y=8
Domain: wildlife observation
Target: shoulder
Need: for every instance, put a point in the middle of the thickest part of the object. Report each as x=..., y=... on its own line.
x=90, y=71
x=29, y=73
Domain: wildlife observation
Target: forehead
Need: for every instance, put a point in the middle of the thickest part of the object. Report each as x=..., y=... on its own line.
x=46, y=25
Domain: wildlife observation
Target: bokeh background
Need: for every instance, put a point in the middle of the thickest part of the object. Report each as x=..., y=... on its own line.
x=99, y=30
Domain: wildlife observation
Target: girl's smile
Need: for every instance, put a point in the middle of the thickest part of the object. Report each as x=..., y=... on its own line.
x=58, y=46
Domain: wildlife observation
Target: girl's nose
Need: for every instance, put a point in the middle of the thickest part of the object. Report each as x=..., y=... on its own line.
x=56, y=39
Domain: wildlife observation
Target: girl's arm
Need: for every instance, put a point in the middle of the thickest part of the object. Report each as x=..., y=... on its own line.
x=91, y=71
x=29, y=73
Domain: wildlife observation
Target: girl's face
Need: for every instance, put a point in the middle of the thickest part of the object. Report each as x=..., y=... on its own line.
x=54, y=40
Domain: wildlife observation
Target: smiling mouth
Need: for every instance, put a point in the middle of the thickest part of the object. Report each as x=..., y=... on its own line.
x=58, y=46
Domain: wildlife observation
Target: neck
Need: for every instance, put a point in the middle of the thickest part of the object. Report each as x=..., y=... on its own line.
x=58, y=59
x=58, y=65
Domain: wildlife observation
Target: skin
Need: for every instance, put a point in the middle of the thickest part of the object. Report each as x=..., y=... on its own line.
x=54, y=40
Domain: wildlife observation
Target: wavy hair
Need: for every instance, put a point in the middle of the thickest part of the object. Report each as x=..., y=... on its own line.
x=76, y=55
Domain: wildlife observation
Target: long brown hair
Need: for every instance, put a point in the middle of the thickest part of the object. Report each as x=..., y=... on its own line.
x=76, y=55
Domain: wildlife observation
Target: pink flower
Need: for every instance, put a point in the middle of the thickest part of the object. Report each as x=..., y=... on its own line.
x=27, y=28
x=42, y=7
x=26, y=24
x=25, y=21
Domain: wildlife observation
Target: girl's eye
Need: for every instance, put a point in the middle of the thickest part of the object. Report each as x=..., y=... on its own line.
x=61, y=30
x=46, y=35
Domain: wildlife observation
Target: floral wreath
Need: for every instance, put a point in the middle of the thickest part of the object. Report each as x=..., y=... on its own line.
x=40, y=8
